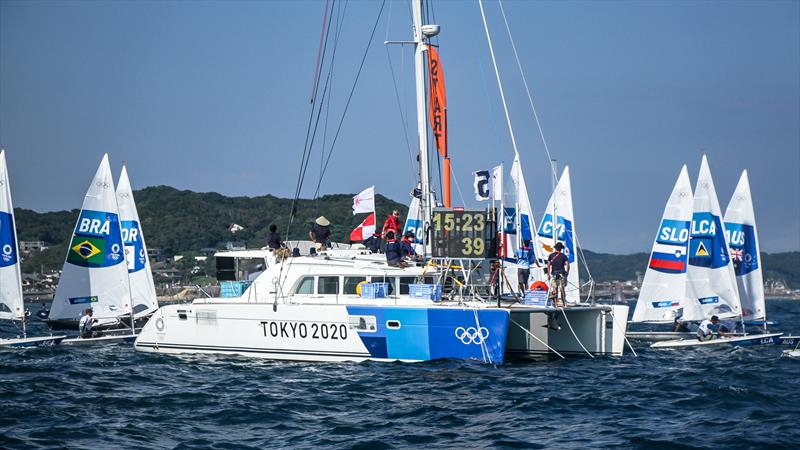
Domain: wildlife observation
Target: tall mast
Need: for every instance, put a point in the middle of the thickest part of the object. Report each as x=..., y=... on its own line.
x=422, y=125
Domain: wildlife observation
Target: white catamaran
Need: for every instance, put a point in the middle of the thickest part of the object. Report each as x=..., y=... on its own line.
x=12, y=306
x=95, y=273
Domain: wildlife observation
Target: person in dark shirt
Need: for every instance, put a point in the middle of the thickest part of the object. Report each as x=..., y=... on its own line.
x=373, y=243
x=407, y=244
x=558, y=270
x=320, y=233
x=394, y=251
x=274, y=241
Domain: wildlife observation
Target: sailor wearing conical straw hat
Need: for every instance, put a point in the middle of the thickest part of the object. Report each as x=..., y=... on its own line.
x=320, y=233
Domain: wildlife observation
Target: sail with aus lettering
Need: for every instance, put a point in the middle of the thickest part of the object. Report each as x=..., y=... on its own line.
x=561, y=203
x=711, y=282
x=143, y=291
x=11, y=303
x=740, y=229
x=95, y=273
x=664, y=281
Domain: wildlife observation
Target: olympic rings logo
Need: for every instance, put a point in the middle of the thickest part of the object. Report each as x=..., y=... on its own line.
x=472, y=335
x=102, y=184
x=7, y=250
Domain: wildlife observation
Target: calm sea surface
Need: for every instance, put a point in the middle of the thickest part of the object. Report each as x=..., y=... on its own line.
x=114, y=397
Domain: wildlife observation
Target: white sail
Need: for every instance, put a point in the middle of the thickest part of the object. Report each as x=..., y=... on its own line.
x=413, y=221
x=561, y=202
x=520, y=242
x=11, y=303
x=664, y=283
x=740, y=230
x=143, y=291
x=711, y=282
x=95, y=274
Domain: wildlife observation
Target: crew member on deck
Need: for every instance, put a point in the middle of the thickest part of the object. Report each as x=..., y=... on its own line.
x=407, y=244
x=86, y=323
x=373, y=243
x=392, y=223
x=320, y=233
x=394, y=251
x=274, y=241
x=558, y=270
x=706, y=330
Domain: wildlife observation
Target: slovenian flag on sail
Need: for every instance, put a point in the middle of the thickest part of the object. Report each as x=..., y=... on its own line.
x=668, y=258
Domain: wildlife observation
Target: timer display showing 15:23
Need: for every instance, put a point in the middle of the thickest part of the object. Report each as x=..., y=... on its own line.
x=460, y=234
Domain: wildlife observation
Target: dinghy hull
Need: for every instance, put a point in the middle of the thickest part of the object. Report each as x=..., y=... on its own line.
x=738, y=341
x=44, y=341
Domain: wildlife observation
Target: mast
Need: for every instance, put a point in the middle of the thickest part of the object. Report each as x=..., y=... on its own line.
x=422, y=126
x=554, y=220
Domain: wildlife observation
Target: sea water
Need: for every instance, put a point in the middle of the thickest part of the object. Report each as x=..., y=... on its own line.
x=113, y=397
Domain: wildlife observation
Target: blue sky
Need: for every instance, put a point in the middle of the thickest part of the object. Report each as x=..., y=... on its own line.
x=214, y=96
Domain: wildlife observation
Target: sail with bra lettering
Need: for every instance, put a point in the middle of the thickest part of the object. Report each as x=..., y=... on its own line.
x=143, y=291
x=664, y=283
x=740, y=229
x=11, y=300
x=711, y=282
x=95, y=273
x=561, y=201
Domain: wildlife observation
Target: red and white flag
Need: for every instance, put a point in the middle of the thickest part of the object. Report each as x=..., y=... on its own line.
x=365, y=201
x=365, y=230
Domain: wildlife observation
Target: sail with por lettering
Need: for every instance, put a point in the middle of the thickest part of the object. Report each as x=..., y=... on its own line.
x=95, y=273
x=561, y=202
x=740, y=229
x=143, y=291
x=664, y=281
x=711, y=282
x=11, y=302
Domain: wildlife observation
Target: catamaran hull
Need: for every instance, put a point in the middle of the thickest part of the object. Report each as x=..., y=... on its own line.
x=328, y=332
x=738, y=341
x=599, y=330
x=44, y=341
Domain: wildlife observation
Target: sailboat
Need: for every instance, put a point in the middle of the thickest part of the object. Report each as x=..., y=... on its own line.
x=711, y=287
x=143, y=292
x=95, y=274
x=12, y=306
x=561, y=230
x=664, y=283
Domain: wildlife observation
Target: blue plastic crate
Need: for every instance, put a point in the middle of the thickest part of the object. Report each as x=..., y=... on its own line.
x=425, y=291
x=374, y=290
x=230, y=289
x=538, y=298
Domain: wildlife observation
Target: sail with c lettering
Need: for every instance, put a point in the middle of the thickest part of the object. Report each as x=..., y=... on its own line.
x=95, y=274
x=740, y=229
x=711, y=282
x=664, y=281
x=561, y=203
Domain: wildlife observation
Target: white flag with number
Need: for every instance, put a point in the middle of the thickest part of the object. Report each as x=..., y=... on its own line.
x=482, y=185
x=365, y=201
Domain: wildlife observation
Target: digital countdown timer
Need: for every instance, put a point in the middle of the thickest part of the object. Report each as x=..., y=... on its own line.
x=463, y=234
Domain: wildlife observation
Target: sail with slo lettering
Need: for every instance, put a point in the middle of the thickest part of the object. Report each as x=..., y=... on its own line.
x=143, y=291
x=95, y=273
x=560, y=206
x=740, y=229
x=11, y=303
x=664, y=281
x=711, y=282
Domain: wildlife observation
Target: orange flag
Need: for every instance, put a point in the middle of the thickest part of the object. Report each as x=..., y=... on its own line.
x=438, y=101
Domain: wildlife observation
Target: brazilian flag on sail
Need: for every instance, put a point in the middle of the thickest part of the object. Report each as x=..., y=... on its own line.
x=86, y=251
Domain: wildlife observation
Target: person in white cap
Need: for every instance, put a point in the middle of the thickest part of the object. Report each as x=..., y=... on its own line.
x=320, y=233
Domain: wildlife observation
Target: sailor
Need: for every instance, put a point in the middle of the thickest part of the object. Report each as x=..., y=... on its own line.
x=394, y=251
x=274, y=241
x=392, y=223
x=86, y=323
x=373, y=243
x=558, y=270
x=524, y=262
x=706, y=330
x=407, y=244
x=320, y=233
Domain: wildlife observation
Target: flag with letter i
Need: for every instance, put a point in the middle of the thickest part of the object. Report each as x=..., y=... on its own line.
x=365, y=201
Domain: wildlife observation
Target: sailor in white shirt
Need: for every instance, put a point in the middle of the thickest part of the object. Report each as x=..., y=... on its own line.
x=706, y=330
x=86, y=323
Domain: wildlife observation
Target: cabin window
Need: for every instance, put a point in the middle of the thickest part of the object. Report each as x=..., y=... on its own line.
x=306, y=286
x=350, y=284
x=226, y=269
x=404, y=282
x=328, y=286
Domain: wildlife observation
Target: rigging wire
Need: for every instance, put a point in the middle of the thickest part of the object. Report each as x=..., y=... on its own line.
x=350, y=97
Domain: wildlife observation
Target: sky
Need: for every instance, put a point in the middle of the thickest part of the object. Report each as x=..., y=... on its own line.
x=215, y=97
